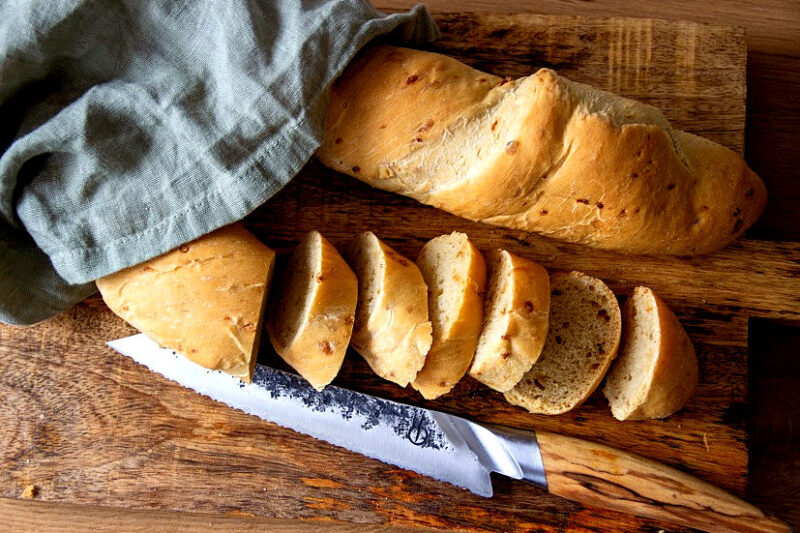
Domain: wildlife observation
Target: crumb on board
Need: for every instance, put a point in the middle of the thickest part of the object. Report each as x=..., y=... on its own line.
x=29, y=492
x=705, y=441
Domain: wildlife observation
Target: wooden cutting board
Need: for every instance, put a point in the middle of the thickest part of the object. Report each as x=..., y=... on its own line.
x=87, y=426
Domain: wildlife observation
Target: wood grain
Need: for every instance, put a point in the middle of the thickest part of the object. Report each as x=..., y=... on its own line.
x=37, y=517
x=91, y=427
x=689, y=71
x=595, y=474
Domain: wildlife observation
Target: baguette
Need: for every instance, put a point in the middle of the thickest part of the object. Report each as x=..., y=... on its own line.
x=312, y=321
x=392, y=331
x=515, y=321
x=455, y=273
x=539, y=153
x=656, y=372
x=581, y=343
x=204, y=299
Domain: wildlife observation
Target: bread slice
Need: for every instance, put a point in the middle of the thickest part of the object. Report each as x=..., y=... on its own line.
x=656, y=372
x=582, y=341
x=455, y=272
x=204, y=299
x=515, y=321
x=311, y=324
x=392, y=331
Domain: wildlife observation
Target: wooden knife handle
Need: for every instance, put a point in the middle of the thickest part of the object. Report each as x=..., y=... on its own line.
x=602, y=476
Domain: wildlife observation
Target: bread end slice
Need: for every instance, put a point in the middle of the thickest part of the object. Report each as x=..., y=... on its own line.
x=205, y=299
x=656, y=372
x=582, y=340
x=392, y=331
x=311, y=324
x=455, y=272
x=515, y=321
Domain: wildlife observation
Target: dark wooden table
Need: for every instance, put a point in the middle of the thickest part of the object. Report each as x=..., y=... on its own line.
x=772, y=149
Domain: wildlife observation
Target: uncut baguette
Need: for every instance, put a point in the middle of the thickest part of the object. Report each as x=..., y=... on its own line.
x=392, y=331
x=517, y=308
x=205, y=299
x=581, y=342
x=455, y=273
x=656, y=372
x=311, y=323
x=540, y=153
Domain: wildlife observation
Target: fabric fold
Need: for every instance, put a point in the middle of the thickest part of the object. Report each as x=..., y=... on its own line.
x=128, y=128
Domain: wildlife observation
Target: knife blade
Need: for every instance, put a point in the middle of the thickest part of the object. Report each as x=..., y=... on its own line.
x=442, y=446
x=459, y=451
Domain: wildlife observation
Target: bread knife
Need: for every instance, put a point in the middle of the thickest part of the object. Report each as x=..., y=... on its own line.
x=461, y=452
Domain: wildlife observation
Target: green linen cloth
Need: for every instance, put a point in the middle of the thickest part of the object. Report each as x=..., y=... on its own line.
x=128, y=127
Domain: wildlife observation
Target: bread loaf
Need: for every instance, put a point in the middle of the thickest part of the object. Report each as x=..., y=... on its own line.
x=392, y=331
x=517, y=307
x=311, y=323
x=581, y=342
x=539, y=153
x=204, y=299
x=656, y=372
x=455, y=273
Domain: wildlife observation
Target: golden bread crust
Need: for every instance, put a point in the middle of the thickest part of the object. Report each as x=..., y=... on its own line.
x=204, y=299
x=540, y=153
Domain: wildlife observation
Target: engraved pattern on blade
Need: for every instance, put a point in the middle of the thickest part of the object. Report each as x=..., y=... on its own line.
x=411, y=423
x=402, y=435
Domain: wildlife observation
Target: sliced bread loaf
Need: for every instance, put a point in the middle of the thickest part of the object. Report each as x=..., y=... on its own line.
x=312, y=321
x=455, y=272
x=581, y=342
x=392, y=331
x=205, y=299
x=656, y=372
x=515, y=321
